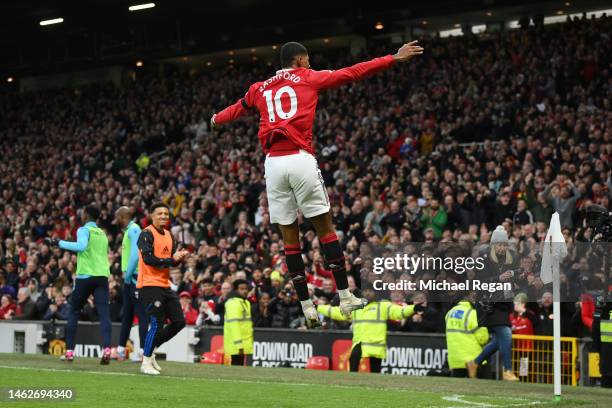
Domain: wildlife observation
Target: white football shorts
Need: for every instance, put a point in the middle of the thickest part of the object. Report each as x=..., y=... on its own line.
x=294, y=181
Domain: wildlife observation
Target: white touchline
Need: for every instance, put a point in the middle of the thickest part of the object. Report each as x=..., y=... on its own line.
x=60, y=370
x=459, y=399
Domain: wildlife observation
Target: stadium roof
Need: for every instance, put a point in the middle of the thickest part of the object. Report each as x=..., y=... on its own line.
x=100, y=32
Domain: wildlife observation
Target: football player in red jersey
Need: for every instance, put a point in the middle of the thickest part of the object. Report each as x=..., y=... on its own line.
x=286, y=103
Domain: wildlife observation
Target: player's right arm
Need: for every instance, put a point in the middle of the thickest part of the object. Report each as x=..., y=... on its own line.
x=81, y=243
x=145, y=245
x=242, y=107
x=330, y=79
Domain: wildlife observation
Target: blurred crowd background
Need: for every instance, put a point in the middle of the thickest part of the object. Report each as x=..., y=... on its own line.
x=487, y=130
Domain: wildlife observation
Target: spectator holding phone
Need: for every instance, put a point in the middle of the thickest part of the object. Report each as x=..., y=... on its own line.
x=191, y=314
x=499, y=266
x=285, y=308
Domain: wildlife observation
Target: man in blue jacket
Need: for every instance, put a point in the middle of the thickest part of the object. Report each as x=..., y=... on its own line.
x=129, y=267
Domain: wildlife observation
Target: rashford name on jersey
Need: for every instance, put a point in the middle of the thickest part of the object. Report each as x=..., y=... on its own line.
x=282, y=74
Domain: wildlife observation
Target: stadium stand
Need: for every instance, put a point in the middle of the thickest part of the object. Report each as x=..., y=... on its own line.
x=413, y=154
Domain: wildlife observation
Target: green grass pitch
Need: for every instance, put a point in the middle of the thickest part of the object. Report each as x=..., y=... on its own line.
x=197, y=385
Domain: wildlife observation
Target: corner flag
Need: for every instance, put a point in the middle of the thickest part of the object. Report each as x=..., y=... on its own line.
x=553, y=253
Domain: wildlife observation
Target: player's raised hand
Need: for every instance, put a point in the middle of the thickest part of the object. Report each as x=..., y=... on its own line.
x=213, y=125
x=407, y=51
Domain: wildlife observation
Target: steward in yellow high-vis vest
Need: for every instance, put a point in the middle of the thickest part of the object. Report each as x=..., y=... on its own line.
x=602, y=342
x=369, y=327
x=464, y=339
x=237, y=324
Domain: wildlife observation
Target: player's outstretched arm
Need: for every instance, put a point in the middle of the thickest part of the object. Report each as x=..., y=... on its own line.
x=232, y=112
x=330, y=79
x=408, y=51
x=81, y=243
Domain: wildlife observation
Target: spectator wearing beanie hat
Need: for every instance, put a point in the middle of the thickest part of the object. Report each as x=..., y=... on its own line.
x=499, y=266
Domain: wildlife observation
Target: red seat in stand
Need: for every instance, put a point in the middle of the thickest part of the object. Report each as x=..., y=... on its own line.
x=210, y=357
x=318, y=363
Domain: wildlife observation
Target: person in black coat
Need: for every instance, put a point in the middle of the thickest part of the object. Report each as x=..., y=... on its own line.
x=500, y=264
x=426, y=320
x=26, y=308
x=261, y=312
x=285, y=309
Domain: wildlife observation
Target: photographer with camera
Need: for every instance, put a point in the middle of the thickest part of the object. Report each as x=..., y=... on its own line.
x=500, y=263
x=285, y=308
x=600, y=220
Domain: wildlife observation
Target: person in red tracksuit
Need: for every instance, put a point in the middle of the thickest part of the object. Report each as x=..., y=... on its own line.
x=190, y=313
x=286, y=103
x=523, y=322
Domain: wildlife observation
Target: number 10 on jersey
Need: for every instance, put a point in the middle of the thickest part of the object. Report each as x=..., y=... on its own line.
x=274, y=103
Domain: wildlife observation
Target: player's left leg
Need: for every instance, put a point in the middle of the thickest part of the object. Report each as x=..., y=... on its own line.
x=151, y=297
x=334, y=257
x=127, y=317
x=77, y=301
x=101, y=299
x=295, y=264
x=173, y=312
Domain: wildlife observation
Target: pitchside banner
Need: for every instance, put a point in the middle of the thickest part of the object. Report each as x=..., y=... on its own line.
x=407, y=354
x=87, y=341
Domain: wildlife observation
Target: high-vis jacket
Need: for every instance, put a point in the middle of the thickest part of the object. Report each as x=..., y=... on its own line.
x=237, y=327
x=370, y=324
x=602, y=339
x=605, y=329
x=464, y=339
x=92, y=251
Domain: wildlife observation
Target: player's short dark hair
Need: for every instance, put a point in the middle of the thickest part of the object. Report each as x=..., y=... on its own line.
x=157, y=205
x=289, y=51
x=92, y=212
x=236, y=284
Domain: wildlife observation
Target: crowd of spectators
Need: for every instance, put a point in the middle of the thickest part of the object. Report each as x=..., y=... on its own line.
x=497, y=129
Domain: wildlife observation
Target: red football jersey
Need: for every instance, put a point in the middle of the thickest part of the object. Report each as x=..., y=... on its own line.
x=287, y=102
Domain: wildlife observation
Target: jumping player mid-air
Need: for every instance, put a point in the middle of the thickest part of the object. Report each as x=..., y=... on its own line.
x=286, y=103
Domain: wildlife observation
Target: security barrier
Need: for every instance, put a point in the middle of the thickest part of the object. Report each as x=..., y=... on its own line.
x=532, y=359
